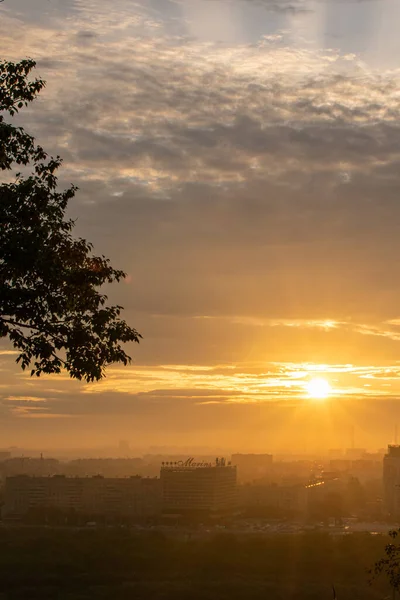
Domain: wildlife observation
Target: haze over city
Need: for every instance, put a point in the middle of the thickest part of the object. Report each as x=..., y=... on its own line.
x=240, y=161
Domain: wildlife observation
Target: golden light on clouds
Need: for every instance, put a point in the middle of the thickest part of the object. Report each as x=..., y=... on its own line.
x=254, y=382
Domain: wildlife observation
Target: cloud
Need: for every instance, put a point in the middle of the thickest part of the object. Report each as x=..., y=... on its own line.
x=279, y=6
x=139, y=389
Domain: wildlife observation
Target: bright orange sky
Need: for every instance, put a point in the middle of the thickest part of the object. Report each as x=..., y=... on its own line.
x=242, y=165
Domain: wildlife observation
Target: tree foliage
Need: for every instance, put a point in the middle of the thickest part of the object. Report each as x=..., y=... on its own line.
x=389, y=564
x=51, y=306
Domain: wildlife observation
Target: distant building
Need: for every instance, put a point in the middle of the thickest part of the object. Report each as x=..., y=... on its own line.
x=190, y=487
x=285, y=498
x=108, y=467
x=325, y=496
x=296, y=499
x=25, y=465
x=335, y=453
x=124, y=497
x=252, y=466
x=391, y=481
x=355, y=453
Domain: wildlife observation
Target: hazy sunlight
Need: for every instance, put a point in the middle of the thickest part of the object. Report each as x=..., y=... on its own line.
x=318, y=388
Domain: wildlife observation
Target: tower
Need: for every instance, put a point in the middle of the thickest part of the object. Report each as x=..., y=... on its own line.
x=391, y=480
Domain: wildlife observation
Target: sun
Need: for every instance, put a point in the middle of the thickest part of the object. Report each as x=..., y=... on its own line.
x=318, y=388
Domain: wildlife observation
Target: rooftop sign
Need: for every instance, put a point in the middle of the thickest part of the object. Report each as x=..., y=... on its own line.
x=190, y=462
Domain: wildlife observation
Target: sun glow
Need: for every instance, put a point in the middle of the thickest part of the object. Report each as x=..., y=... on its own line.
x=318, y=388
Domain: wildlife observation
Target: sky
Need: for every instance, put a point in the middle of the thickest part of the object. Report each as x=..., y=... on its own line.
x=239, y=159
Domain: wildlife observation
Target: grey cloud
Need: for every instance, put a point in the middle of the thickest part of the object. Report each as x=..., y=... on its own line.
x=45, y=12
x=220, y=130
x=245, y=240
x=279, y=6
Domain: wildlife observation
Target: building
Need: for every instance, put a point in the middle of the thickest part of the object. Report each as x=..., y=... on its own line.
x=258, y=498
x=391, y=481
x=25, y=465
x=296, y=500
x=190, y=487
x=113, y=468
x=251, y=467
x=355, y=453
x=335, y=453
x=133, y=497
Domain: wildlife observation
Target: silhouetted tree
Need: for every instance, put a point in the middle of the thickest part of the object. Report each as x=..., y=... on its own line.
x=389, y=565
x=51, y=308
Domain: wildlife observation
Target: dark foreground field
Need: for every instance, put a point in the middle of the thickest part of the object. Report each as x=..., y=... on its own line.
x=117, y=564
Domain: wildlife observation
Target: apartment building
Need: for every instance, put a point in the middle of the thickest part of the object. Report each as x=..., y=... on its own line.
x=125, y=497
x=198, y=487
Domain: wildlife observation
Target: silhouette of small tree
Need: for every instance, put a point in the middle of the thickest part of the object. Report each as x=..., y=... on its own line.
x=389, y=565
